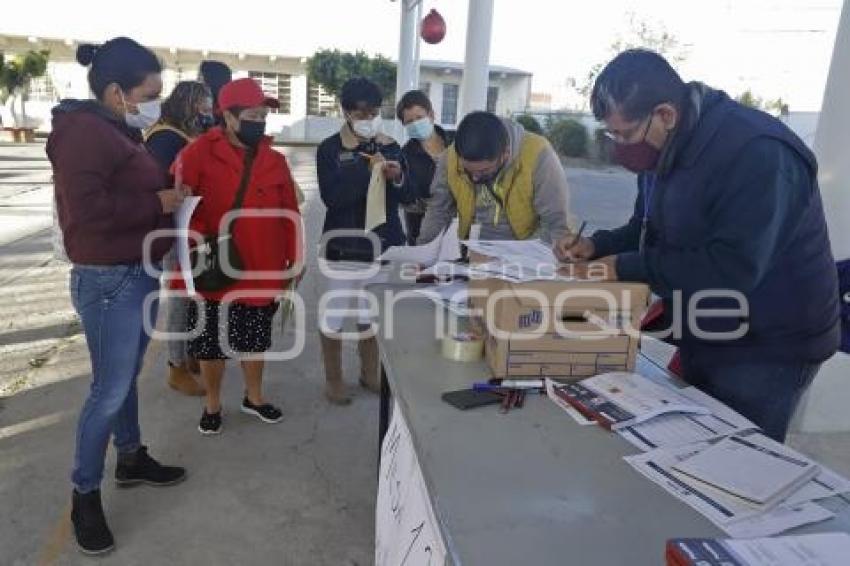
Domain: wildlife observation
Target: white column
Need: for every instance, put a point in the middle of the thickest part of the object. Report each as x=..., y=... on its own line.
x=417, y=42
x=833, y=139
x=407, y=75
x=476, y=68
x=824, y=408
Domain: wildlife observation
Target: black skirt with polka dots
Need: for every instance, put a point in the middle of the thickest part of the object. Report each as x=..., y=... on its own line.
x=248, y=330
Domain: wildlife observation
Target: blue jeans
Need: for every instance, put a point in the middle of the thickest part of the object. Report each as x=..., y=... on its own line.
x=767, y=393
x=110, y=302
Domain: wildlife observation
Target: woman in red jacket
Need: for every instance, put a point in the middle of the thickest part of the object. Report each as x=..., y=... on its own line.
x=213, y=165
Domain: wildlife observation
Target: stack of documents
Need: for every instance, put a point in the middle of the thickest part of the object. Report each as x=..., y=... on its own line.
x=618, y=400
x=680, y=429
x=825, y=549
x=741, y=517
x=754, y=468
x=705, y=454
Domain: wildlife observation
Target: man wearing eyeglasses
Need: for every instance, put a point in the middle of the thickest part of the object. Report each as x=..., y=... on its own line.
x=728, y=217
x=501, y=182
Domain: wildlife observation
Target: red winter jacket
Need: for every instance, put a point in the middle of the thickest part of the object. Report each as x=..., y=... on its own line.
x=212, y=166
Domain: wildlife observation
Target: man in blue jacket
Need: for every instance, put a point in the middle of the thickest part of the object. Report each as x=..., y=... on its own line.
x=728, y=216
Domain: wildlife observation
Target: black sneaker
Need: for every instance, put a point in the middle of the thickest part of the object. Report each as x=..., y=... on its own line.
x=266, y=412
x=139, y=467
x=90, y=528
x=210, y=423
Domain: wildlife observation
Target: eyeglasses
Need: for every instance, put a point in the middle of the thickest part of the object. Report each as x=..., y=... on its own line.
x=627, y=136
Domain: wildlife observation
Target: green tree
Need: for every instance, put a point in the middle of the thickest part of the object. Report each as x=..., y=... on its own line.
x=530, y=123
x=778, y=106
x=569, y=137
x=17, y=73
x=747, y=98
x=330, y=68
x=640, y=34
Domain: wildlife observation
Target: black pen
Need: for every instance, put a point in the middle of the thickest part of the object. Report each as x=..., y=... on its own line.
x=579, y=233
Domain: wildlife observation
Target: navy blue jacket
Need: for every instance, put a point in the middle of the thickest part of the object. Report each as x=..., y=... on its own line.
x=343, y=184
x=736, y=208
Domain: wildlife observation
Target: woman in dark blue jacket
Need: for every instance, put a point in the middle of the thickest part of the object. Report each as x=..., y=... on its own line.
x=345, y=163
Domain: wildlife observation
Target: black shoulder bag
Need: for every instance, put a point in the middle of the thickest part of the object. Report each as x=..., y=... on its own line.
x=207, y=257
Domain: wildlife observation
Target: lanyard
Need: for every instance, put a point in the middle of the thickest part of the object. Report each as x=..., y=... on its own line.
x=648, y=187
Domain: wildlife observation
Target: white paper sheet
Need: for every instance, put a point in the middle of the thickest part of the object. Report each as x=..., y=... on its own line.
x=641, y=397
x=443, y=248
x=182, y=217
x=822, y=549
x=453, y=296
x=376, y=200
x=406, y=529
x=733, y=515
x=528, y=253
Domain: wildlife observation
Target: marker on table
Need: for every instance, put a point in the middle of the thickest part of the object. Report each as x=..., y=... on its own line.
x=509, y=384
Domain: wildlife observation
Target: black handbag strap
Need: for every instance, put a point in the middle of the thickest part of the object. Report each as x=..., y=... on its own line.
x=243, y=183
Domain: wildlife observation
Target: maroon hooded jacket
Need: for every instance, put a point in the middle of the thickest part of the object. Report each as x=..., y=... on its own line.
x=105, y=185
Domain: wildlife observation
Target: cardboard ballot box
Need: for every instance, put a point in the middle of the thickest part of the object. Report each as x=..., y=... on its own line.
x=560, y=329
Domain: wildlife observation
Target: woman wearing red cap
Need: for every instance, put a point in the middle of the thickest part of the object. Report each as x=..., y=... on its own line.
x=215, y=166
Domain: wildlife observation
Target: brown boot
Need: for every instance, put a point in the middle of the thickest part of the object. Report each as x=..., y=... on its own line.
x=369, y=377
x=193, y=365
x=332, y=357
x=184, y=382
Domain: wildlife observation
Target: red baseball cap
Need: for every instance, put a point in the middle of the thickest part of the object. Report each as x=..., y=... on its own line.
x=245, y=93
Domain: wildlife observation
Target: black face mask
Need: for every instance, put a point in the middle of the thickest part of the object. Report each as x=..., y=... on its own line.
x=251, y=132
x=204, y=122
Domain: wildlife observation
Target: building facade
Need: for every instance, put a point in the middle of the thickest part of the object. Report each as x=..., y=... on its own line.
x=307, y=112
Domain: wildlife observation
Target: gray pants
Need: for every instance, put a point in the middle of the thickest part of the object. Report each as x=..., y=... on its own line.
x=176, y=317
x=176, y=320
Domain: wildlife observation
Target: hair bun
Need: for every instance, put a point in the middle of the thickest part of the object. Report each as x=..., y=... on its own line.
x=86, y=53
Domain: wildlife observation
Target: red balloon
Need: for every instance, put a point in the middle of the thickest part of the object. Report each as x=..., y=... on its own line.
x=433, y=27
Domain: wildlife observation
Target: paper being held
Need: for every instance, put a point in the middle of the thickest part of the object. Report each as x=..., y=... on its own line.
x=444, y=247
x=182, y=218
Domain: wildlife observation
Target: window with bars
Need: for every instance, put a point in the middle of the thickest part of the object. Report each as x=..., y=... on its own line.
x=277, y=86
x=448, y=114
x=41, y=89
x=319, y=102
x=492, y=98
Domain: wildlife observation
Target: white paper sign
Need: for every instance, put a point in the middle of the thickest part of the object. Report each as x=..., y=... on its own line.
x=406, y=531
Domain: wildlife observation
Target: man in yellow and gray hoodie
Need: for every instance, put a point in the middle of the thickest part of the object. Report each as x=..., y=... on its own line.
x=497, y=176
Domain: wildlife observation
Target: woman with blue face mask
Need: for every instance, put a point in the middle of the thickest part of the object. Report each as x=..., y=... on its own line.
x=427, y=142
x=186, y=114
x=111, y=195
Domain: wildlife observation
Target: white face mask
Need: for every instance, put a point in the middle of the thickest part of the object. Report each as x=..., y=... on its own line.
x=366, y=128
x=149, y=113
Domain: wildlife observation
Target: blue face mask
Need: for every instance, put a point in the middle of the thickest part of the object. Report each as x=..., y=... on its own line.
x=420, y=129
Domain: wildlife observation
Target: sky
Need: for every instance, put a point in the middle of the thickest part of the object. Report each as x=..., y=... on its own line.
x=776, y=48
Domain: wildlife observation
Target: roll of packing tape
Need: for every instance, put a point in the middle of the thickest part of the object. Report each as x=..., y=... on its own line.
x=464, y=347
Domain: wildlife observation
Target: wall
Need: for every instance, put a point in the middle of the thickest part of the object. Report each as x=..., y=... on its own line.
x=514, y=90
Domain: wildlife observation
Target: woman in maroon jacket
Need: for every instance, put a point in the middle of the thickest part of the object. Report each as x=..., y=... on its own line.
x=110, y=197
